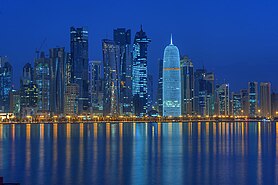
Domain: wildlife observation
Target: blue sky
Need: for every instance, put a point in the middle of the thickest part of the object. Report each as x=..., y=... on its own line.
x=238, y=40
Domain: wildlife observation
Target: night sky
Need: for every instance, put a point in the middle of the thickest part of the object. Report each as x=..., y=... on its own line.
x=237, y=39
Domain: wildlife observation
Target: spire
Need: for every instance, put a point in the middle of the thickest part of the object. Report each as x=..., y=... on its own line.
x=141, y=28
x=171, y=43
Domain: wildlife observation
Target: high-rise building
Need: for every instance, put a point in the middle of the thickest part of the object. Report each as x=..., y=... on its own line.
x=111, y=79
x=200, y=92
x=187, y=86
x=244, y=102
x=171, y=81
x=57, y=59
x=3, y=60
x=160, y=87
x=42, y=80
x=71, y=99
x=274, y=104
x=15, y=102
x=140, y=73
x=95, y=87
x=236, y=104
x=28, y=92
x=210, y=93
x=150, y=92
x=265, y=99
x=6, y=77
x=252, y=98
x=222, y=99
x=79, y=65
x=122, y=38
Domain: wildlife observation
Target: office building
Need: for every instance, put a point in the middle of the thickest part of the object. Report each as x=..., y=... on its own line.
x=252, y=99
x=71, y=100
x=95, y=87
x=222, y=100
x=236, y=104
x=42, y=80
x=187, y=86
x=79, y=65
x=244, y=102
x=111, y=92
x=6, y=77
x=160, y=87
x=57, y=59
x=140, y=73
x=171, y=81
x=265, y=99
x=122, y=38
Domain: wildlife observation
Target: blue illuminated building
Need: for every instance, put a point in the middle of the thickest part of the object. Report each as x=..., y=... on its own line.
x=171, y=81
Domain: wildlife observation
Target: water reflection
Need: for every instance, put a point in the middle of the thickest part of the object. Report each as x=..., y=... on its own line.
x=140, y=153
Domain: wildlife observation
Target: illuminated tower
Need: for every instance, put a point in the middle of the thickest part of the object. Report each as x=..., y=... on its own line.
x=171, y=81
x=140, y=73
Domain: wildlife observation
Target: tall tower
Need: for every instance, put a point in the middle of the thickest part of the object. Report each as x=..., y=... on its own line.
x=171, y=81
x=160, y=87
x=95, y=87
x=265, y=99
x=79, y=65
x=222, y=99
x=42, y=80
x=252, y=98
x=187, y=85
x=6, y=77
x=122, y=38
x=140, y=73
x=111, y=62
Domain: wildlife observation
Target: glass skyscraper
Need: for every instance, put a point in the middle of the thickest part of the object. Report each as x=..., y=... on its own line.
x=42, y=80
x=187, y=85
x=6, y=76
x=122, y=38
x=252, y=98
x=171, y=81
x=79, y=65
x=140, y=73
x=111, y=62
x=57, y=81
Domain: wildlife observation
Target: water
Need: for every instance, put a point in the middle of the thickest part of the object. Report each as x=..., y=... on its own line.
x=129, y=153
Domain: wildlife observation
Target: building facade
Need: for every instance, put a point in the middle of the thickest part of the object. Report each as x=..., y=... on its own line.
x=79, y=65
x=171, y=81
x=265, y=99
x=187, y=86
x=252, y=99
x=140, y=73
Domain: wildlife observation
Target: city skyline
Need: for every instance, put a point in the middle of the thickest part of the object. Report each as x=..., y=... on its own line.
x=219, y=43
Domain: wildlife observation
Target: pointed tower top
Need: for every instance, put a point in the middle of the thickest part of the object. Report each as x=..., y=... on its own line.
x=141, y=28
x=171, y=43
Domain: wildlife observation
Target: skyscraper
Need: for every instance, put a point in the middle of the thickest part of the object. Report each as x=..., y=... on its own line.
x=171, y=81
x=6, y=77
x=187, y=85
x=265, y=99
x=236, y=104
x=140, y=73
x=28, y=92
x=252, y=98
x=122, y=38
x=42, y=80
x=150, y=92
x=274, y=104
x=57, y=57
x=222, y=99
x=244, y=102
x=204, y=98
x=111, y=79
x=79, y=65
x=95, y=87
x=71, y=99
x=160, y=87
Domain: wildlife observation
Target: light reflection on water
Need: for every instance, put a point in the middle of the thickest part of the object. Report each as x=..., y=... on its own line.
x=140, y=153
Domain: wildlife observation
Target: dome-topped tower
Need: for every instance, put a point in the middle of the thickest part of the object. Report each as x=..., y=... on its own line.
x=171, y=81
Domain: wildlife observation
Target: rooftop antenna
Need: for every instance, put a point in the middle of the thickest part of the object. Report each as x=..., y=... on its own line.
x=171, y=43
